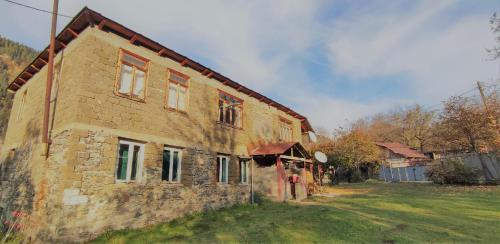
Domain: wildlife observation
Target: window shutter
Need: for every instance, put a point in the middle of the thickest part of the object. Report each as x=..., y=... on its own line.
x=186, y=168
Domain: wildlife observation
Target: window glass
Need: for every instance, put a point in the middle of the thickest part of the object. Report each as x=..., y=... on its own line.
x=171, y=164
x=175, y=166
x=139, y=83
x=129, y=165
x=182, y=98
x=125, y=79
x=224, y=171
x=166, y=165
x=122, y=162
x=133, y=60
x=134, y=162
x=243, y=171
x=172, y=95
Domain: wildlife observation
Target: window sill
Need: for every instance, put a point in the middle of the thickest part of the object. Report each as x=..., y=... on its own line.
x=173, y=110
x=164, y=182
x=229, y=126
x=141, y=100
x=224, y=184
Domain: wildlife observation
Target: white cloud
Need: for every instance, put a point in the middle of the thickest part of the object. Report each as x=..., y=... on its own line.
x=257, y=43
x=439, y=58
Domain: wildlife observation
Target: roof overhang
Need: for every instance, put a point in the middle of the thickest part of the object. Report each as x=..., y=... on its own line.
x=90, y=18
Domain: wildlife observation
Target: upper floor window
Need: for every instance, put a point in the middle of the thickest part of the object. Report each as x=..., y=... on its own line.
x=132, y=76
x=130, y=161
x=285, y=130
x=222, y=168
x=171, y=170
x=177, y=90
x=230, y=110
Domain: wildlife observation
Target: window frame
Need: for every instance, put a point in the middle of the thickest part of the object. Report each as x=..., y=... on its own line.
x=244, y=164
x=178, y=85
x=144, y=69
x=219, y=168
x=224, y=114
x=285, y=122
x=171, y=163
x=139, y=165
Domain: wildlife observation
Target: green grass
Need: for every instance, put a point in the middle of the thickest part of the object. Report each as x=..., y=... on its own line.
x=364, y=213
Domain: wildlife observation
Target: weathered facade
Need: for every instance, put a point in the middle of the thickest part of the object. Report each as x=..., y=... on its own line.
x=121, y=160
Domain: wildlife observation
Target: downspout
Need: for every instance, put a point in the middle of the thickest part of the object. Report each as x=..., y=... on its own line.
x=251, y=181
x=48, y=86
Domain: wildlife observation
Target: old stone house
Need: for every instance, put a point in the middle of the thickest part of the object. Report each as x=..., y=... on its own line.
x=139, y=134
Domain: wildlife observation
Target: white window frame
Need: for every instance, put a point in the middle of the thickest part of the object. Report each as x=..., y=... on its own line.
x=244, y=164
x=219, y=162
x=171, y=163
x=178, y=86
x=140, y=161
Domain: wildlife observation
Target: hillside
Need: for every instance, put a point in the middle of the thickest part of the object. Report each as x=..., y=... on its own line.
x=13, y=58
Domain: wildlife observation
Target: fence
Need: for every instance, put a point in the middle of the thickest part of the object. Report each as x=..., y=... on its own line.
x=417, y=173
x=401, y=174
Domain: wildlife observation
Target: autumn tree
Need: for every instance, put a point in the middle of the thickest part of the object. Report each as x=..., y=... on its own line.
x=354, y=147
x=465, y=125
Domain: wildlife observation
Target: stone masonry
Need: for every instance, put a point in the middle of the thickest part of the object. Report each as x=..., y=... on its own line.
x=72, y=195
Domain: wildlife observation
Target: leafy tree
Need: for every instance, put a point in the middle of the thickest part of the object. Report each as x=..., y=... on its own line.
x=354, y=147
x=494, y=52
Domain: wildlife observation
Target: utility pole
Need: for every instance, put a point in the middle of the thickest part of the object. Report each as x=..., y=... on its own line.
x=50, y=76
x=494, y=125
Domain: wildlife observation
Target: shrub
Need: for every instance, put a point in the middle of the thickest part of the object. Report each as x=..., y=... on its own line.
x=452, y=171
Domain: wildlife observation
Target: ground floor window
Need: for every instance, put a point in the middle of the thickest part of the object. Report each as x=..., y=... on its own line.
x=222, y=166
x=130, y=160
x=172, y=159
x=244, y=171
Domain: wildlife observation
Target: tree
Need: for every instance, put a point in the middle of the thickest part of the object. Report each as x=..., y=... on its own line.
x=494, y=52
x=417, y=127
x=354, y=147
x=465, y=125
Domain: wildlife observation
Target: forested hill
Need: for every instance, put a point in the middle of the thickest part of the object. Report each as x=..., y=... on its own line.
x=13, y=58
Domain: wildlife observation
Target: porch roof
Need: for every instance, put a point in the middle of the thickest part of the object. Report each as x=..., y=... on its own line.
x=276, y=149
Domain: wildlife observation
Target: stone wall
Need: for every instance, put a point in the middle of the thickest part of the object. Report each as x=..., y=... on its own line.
x=83, y=191
x=72, y=195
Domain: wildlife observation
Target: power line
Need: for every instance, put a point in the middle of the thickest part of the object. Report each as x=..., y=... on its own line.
x=34, y=8
x=459, y=95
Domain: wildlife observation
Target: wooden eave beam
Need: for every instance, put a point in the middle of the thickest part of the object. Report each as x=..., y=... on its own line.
x=62, y=43
x=210, y=74
x=72, y=32
x=101, y=24
x=28, y=73
x=162, y=51
x=34, y=67
x=185, y=62
x=43, y=60
x=133, y=39
x=23, y=80
x=89, y=19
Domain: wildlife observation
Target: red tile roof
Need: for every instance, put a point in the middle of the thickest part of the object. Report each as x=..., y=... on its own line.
x=401, y=149
x=87, y=17
x=272, y=149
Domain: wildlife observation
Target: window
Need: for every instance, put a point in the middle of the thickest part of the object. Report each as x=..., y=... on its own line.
x=244, y=171
x=230, y=110
x=171, y=170
x=222, y=165
x=21, y=105
x=132, y=76
x=177, y=90
x=285, y=130
x=130, y=158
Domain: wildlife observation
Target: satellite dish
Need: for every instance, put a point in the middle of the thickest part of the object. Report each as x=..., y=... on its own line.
x=312, y=136
x=321, y=157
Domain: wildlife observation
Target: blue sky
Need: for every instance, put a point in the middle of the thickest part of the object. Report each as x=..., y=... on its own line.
x=332, y=61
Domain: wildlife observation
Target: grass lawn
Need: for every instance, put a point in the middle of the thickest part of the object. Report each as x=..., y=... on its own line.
x=367, y=212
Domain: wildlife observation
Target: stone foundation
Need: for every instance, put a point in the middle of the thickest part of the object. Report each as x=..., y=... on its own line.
x=84, y=201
